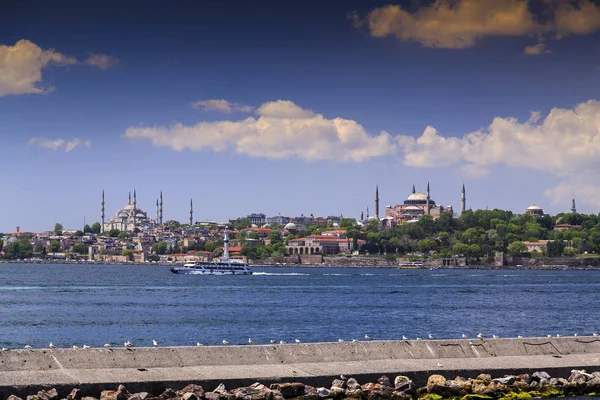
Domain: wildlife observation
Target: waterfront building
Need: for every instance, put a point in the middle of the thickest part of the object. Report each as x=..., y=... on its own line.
x=537, y=246
x=130, y=218
x=323, y=244
x=416, y=205
x=535, y=211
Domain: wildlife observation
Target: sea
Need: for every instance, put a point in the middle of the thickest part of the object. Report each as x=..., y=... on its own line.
x=97, y=304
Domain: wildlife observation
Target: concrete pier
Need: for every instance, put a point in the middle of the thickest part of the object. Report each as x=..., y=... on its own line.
x=153, y=369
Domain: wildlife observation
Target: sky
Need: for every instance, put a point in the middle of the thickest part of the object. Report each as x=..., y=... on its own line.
x=295, y=107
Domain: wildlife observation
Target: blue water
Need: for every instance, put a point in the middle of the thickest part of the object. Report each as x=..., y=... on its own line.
x=92, y=304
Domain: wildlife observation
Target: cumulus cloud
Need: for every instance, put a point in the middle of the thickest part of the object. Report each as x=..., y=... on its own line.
x=536, y=50
x=101, y=61
x=566, y=143
x=282, y=130
x=221, y=105
x=475, y=171
x=458, y=24
x=21, y=67
x=59, y=144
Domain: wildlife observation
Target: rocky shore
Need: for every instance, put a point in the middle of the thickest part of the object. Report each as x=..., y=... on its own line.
x=483, y=387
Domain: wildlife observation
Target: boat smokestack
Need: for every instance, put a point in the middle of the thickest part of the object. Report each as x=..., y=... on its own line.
x=226, y=245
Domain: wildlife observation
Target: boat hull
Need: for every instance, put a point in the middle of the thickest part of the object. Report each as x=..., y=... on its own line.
x=200, y=271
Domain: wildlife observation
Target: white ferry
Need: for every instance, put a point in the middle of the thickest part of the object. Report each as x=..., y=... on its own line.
x=223, y=267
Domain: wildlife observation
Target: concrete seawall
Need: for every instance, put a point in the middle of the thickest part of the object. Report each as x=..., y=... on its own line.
x=153, y=369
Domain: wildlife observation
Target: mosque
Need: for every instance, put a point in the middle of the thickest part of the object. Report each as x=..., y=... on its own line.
x=130, y=218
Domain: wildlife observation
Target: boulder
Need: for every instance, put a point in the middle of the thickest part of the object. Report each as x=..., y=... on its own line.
x=523, y=377
x=74, y=395
x=189, y=396
x=141, y=396
x=256, y=391
x=592, y=386
x=214, y=396
x=167, y=394
x=195, y=389
x=454, y=388
x=289, y=390
x=596, y=374
x=507, y=380
x=521, y=386
x=403, y=384
x=385, y=381
x=578, y=377
x=323, y=392
x=540, y=375
x=353, y=388
x=435, y=383
x=88, y=398
x=310, y=393
x=377, y=391
x=486, y=378
x=13, y=397
x=338, y=383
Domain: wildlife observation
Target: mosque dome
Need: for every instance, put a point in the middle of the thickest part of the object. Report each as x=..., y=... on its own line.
x=372, y=218
x=266, y=226
x=336, y=225
x=417, y=196
x=534, y=207
x=254, y=226
x=412, y=208
x=290, y=226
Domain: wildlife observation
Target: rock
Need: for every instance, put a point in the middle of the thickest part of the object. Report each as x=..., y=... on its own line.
x=51, y=394
x=377, y=391
x=74, y=395
x=435, y=383
x=310, y=393
x=464, y=383
x=486, y=378
x=88, y=398
x=540, y=375
x=141, y=396
x=338, y=383
x=403, y=384
x=13, y=397
x=523, y=377
x=534, y=385
x=167, y=394
x=507, y=380
x=421, y=391
x=189, y=396
x=256, y=391
x=353, y=388
x=289, y=390
x=214, y=396
x=596, y=374
x=454, y=388
x=196, y=389
x=385, y=381
x=579, y=377
x=220, y=389
x=401, y=396
x=323, y=392
x=593, y=385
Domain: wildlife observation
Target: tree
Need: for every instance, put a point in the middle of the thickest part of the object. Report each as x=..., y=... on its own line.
x=427, y=223
x=1, y=244
x=461, y=249
x=79, y=233
x=517, y=248
x=96, y=228
x=19, y=250
x=252, y=235
x=241, y=223
x=127, y=253
x=123, y=235
x=114, y=233
x=275, y=236
x=160, y=248
x=87, y=229
x=58, y=229
x=79, y=248
x=555, y=248
x=346, y=223
x=54, y=246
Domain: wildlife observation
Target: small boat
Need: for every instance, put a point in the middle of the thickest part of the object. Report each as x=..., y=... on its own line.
x=411, y=264
x=223, y=267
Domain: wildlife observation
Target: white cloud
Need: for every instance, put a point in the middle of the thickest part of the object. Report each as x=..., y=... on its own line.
x=21, y=67
x=101, y=61
x=475, y=171
x=56, y=144
x=536, y=50
x=458, y=24
x=282, y=130
x=221, y=105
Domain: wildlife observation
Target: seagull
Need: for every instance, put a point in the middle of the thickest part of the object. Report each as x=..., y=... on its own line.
x=495, y=337
x=199, y=344
x=464, y=336
x=404, y=337
x=549, y=335
x=4, y=349
x=128, y=344
x=594, y=334
x=419, y=338
x=27, y=346
x=343, y=377
x=519, y=337
x=341, y=340
x=282, y=342
x=85, y=347
x=354, y=340
x=480, y=335
x=154, y=343
x=225, y=342
x=367, y=337
x=250, y=341
x=107, y=345
x=75, y=347
x=439, y=365
x=51, y=345
x=431, y=337
x=297, y=341
x=575, y=334
x=558, y=335
x=273, y=341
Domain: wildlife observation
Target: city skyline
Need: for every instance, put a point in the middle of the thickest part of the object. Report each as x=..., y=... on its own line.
x=296, y=108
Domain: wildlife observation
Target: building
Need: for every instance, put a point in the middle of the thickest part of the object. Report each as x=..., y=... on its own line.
x=129, y=218
x=538, y=246
x=416, y=205
x=535, y=211
x=323, y=244
x=278, y=220
x=257, y=219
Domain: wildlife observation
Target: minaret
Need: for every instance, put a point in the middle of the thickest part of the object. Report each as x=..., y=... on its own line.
x=573, y=208
x=129, y=197
x=377, y=202
x=428, y=197
x=157, y=211
x=226, y=246
x=191, y=212
x=367, y=212
x=102, y=213
x=414, y=191
x=134, y=208
x=161, y=209
x=463, y=200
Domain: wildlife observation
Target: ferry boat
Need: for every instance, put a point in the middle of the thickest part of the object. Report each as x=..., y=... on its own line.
x=411, y=264
x=223, y=267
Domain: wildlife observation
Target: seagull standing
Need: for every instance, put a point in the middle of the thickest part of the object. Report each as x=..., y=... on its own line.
x=464, y=336
x=250, y=341
x=154, y=343
x=225, y=342
x=549, y=335
x=404, y=337
x=558, y=335
x=198, y=344
x=354, y=340
x=85, y=347
x=51, y=345
x=367, y=337
x=273, y=341
x=594, y=334
x=431, y=337
x=519, y=337
x=480, y=335
x=282, y=342
x=341, y=340
x=297, y=341
x=495, y=337
x=107, y=345
x=27, y=347
x=4, y=349
x=75, y=347
x=128, y=344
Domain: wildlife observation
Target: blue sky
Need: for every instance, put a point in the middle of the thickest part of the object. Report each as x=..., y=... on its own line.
x=295, y=107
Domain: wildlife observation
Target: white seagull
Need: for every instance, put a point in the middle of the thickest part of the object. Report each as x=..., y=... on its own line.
x=75, y=347
x=225, y=342
x=154, y=343
x=51, y=345
x=404, y=337
x=367, y=337
x=520, y=337
x=575, y=334
x=250, y=341
x=480, y=335
x=341, y=340
x=419, y=338
x=128, y=344
x=594, y=334
x=198, y=344
x=297, y=341
x=4, y=349
x=354, y=340
x=549, y=335
x=27, y=347
x=431, y=337
x=273, y=341
x=107, y=345
x=495, y=337
x=558, y=335
x=282, y=342
x=464, y=336
x=85, y=347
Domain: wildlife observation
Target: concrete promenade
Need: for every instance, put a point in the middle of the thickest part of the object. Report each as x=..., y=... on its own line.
x=153, y=369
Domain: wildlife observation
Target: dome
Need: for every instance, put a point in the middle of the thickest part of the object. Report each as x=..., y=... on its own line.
x=266, y=226
x=140, y=215
x=290, y=226
x=412, y=208
x=123, y=214
x=129, y=206
x=418, y=196
x=372, y=218
x=254, y=226
x=534, y=207
x=336, y=225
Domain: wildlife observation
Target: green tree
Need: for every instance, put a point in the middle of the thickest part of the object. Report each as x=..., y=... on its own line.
x=127, y=253
x=54, y=246
x=114, y=233
x=241, y=223
x=96, y=228
x=79, y=233
x=123, y=235
x=427, y=223
x=426, y=245
x=160, y=248
x=1, y=244
x=555, y=248
x=58, y=229
x=19, y=250
x=461, y=249
x=517, y=248
x=87, y=229
x=346, y=223
x=252, y=235
x=275, y=237
x=79, y=248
